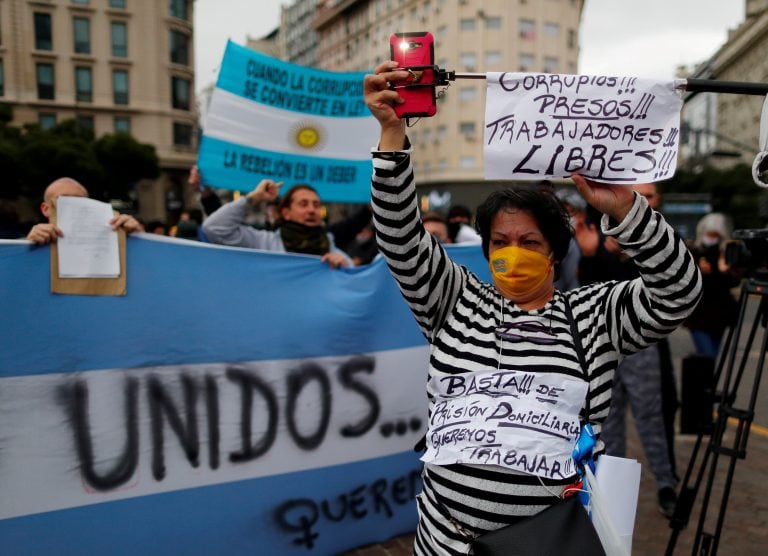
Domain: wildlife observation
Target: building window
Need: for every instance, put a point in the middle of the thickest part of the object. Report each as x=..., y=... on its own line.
x=550, y=64
x=83, y=84
x=527, y=29
x=180, y=89
x=179, y=48
x=493, y=57
x=117, y=4
x=182, y=134
x=551, y=30
x=45, y=82
x=82, y=32
x=47, y=120
x=468, y=60
x=43, y=32
x=178, y=8
x=81, y=2
x=119, y=39
x=467, y=162
x=467, y=24
x=122, y=124
x=467, y=93
x=467, y=129
x=86, y=122
x=2, y=78
x=493, y=22
x=526, y=62
x=120, y=87
x=571, y=38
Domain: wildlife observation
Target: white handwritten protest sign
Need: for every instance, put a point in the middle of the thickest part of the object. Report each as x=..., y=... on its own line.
x=610, y=129
x=524, y=421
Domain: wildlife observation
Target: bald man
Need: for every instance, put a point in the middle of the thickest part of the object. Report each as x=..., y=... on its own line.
x=47, y=232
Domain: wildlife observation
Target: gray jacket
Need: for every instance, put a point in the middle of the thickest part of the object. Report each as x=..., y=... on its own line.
x=226, y=227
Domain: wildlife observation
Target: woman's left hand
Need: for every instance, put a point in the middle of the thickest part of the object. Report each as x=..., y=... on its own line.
x=612, y=199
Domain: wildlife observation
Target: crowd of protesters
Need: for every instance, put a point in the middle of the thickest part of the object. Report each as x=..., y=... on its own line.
x=297, y=221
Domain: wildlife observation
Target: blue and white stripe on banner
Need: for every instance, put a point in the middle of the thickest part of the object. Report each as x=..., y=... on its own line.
x=277, y=120
x=233, y=400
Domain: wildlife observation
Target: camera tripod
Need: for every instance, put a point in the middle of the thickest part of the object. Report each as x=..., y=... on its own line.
x=730, y=368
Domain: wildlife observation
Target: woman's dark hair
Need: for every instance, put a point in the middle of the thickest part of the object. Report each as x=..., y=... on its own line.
x=287, y=199
x=549, y=213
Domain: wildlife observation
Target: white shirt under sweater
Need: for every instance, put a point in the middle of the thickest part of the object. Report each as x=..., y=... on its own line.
x=458, y=313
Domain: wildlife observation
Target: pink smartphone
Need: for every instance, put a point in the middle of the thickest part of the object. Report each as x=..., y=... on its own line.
x=417, y=52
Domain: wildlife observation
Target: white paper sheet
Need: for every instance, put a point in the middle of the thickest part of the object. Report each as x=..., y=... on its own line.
x=89, y=247
x=621, y=478
x=610, y=129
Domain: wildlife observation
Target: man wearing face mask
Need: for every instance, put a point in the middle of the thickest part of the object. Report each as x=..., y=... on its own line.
x=718, y=309
x=301, y=228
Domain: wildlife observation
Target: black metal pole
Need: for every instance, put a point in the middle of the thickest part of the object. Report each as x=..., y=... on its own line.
x=735, y=87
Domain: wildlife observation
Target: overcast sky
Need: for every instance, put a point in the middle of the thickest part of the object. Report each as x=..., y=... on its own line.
x=641, y=38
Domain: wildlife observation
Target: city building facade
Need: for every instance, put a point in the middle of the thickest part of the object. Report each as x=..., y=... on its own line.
x=721, y=128
x=114, y=65
x=298, y=39
x=471, y=36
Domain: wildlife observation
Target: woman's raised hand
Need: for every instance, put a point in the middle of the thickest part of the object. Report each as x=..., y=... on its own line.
x=380, y=100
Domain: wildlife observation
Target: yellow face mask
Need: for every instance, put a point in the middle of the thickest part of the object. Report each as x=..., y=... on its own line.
x=518, y=272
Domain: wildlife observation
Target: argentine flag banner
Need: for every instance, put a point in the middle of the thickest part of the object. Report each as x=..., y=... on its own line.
x=272, y=119
x=233, y=402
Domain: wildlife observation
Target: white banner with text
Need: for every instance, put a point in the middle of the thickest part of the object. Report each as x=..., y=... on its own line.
x=609, y=129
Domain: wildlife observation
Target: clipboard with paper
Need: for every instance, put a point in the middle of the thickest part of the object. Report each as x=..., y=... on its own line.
x=90, y=259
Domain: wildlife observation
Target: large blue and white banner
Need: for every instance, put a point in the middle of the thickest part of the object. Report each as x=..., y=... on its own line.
x=234, y=401
x=289, y=123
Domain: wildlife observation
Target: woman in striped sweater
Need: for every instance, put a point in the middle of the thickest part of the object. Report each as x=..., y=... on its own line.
x=507, y=392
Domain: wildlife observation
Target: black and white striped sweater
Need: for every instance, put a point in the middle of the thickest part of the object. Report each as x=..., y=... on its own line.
x=458, y=313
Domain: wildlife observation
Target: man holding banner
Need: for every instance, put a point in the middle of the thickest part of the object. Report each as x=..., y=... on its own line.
x=517, y=369
x=301, y=229
x=47, y=232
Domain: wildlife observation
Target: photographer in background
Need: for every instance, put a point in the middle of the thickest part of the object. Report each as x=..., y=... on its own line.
x=717, y=309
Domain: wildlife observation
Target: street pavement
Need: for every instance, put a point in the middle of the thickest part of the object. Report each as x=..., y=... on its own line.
x=745, y=524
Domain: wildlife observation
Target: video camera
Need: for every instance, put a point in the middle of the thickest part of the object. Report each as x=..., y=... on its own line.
x=748, y=252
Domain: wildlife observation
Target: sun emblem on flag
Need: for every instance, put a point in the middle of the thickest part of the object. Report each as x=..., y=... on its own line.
x=308, y=135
